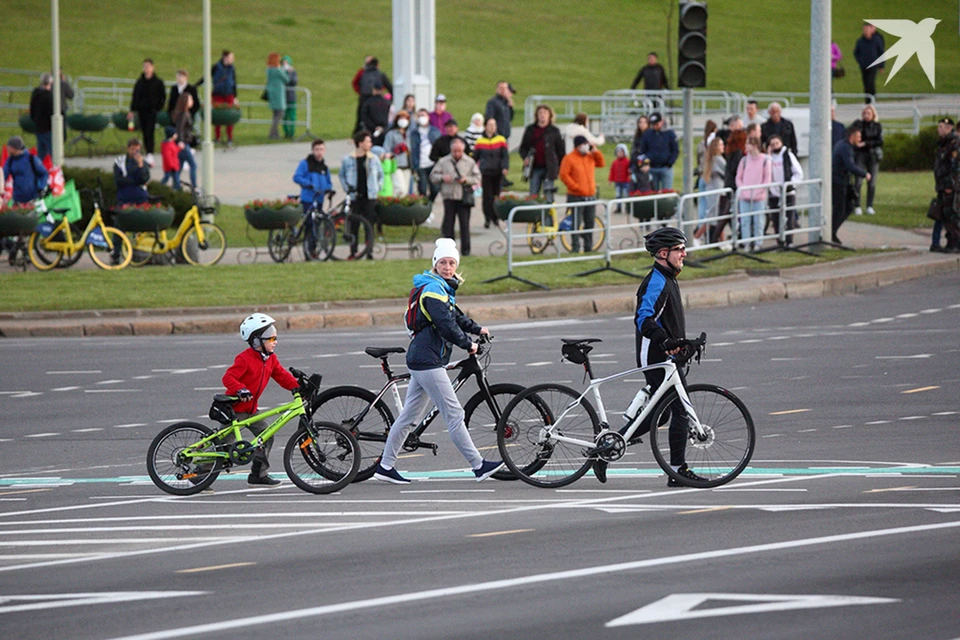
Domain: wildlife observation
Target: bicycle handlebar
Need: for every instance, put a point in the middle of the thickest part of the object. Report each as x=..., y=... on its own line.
x=691, y=350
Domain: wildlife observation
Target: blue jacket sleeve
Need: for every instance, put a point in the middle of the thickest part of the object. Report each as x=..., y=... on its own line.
x=302, y=177
x=647, y=310
x=443, y=318
x=41, y=173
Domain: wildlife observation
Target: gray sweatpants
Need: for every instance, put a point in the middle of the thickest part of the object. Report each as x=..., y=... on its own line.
x=261, y=454
x=435, y=385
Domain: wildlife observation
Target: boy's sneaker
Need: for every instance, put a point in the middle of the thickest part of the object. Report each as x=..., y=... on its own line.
x=684, y=471
x=149, y=160
x=858, y=211
x=487, y=469
x=870, y=211
x=262, y=481
x=389, y=475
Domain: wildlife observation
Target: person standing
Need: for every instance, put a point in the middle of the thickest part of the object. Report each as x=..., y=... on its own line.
x=653, y=74
x=500, y=108
x=866, y=51
x=643, y=123
x=131, y=175
x=660, y=146
x=442, y=146
x=183, y=86
x=224, y=92
x=365, y=81
x=784, y=168
x=276, y=93
x=27, y=172
x=361, y=176
x=493, y=158
x=440, y=116
x=290, y=113
x=753, y=113
x=313, y=177
x=843, y=166
x=754, y=169
x=541, y=150
x=41, y=112
x=149, y=95
x=946, y=173
x=837, y=130
x=474, y=131
x=395, y=142
x=776, y=124
x=457, y=175
x=581, y=127
x=421, y=140
x=375, y=114
x=713, y=173
x=439, y=325
x=660, y=328
x=868, y=154
x=577, y=171
x=183, y=122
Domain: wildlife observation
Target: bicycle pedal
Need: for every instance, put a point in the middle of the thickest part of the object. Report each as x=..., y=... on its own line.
x=434, y=448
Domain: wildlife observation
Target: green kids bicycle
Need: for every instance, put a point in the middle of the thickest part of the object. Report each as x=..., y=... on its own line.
x=320, y=457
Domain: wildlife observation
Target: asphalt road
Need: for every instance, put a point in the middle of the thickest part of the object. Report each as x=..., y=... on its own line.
x=845, y=524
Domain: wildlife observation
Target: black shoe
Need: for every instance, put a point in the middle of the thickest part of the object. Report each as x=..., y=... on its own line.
x=506, y=184
x=264, y=481
x=684, y=471
x=935, y=248
x=600, y=470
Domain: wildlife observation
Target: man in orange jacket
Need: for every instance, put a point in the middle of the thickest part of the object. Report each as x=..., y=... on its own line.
x=577, y=172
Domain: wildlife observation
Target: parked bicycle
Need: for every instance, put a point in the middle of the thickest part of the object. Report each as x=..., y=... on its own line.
x=60, y=242
x=550, y=435
x=315, y=231
x=369, y=418
x=186, y=457
x=196, y=242
x=553, y=225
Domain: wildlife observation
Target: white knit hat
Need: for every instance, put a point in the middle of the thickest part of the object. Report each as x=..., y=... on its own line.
x=446, y=248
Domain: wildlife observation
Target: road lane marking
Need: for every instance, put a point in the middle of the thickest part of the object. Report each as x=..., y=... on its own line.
x=217, y=567
x=919, y=356
x=706, y=510
x=12, y=492
x=41, y=435
x=920, y=389
x=111, y=390
x=499, y=533
x=67, y=373
x=888, y=489
x=129, y=425
x=65, y=389
x=88, y=430
x=789, y=411
x=510, y=583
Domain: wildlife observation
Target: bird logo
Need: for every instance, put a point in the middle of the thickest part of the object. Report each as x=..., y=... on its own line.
x=915, y=38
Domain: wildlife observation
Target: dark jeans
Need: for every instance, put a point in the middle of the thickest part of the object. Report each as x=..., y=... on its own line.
x=491, y=189
x=456, y=211
x=44, y=144
x=773, y=202
x=424, y=186
x=869, y=81
x=538, y=179
x=368, y=209
x=841, y=207
x=148, y=124
x=870, y=164
x=584, y=217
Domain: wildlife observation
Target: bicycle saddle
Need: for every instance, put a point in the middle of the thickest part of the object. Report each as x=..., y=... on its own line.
x=579, y=341
x=382, y=352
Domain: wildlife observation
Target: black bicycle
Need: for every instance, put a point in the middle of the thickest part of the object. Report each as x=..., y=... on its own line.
x=334, y=233
x=368, y=417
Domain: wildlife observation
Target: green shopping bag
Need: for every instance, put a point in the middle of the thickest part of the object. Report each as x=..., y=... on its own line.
x=69, y=199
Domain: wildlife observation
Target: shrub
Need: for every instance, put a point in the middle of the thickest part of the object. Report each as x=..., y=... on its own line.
x=905, y=152
x=180, y=201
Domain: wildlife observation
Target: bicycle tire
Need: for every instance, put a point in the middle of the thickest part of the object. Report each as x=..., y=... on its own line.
x=206, y=254
x=143, y=244
x=64, y=261
x=322, y=457
x=104, y=258
x=481, y=415
x=364, y=236
x=42, y=258
x=533, y=457
x=325, y=242
x=599, y=234
x=280, y=242
x=539, y=245
x=169, y=471
x=731, y=436
x=341, y=405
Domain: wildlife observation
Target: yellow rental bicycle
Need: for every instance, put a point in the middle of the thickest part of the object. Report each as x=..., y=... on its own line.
x=197, y=242
x=55, y=242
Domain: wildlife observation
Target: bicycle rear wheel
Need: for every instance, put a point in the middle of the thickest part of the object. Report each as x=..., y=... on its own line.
x=528, y=430
x=279, y=243
x=175, y=471
x=323, y=244
x=481, y=415
x=726, y=447
x=343, y=406
x=599, y=232
x=143, y=244
x=205, y=253
x=539, y=245
x=355, y=239
x=117, y=256
x=42, y=257
x=321, y=457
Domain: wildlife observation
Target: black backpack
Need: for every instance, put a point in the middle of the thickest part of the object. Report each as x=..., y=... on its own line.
x=410, y=315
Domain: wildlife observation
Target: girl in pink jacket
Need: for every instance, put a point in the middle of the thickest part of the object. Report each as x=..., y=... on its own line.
x=754, y=169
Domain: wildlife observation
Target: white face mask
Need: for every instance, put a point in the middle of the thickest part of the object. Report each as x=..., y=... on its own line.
x=403, y=123
x=423, y=121
x=584, y=149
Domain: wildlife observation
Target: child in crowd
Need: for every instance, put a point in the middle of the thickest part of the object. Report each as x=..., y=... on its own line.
x=641, y=176
x=247, y=378
x=170, y=150
x=620, y=173
x=389, y=164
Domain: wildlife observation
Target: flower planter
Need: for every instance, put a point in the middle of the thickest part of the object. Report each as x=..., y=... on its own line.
x=504, y=207
x=134, y=219
x=13, y=223
x=223, y=116
x=664, y=208
x=92, y=122
x=400, y=215
x=27, y=123
x=266, y=219
x=163, y=119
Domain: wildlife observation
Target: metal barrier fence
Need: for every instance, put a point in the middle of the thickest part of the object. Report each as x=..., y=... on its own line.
x=802, y=215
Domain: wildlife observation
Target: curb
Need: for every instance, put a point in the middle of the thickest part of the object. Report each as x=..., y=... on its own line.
x=843, y=277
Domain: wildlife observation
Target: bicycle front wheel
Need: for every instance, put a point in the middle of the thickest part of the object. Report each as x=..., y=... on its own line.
x=344, y=406
x=322, y=457
x=174, y=470
x=144, y=244
x=532, y=431
x=721, y=453
x=355, y=240
x=208, y=252
x=481, y=415
x=599, y=234
x=116, y=256
x=279, y=243
x=539, y=244
x=323, y=242
x=42, y=257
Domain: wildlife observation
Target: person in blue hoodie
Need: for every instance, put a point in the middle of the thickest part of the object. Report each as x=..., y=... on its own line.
x=439, y=325
x=313, y=176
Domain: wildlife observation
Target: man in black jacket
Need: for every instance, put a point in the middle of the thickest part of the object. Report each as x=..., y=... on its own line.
x=442, y=146
x=149, y=94
x=869, y=47
x=183, y=86
x=41, y=112
x=843, y=166
x=653, y=74
x=500, y=108
x=946, y=174
x=776, y=124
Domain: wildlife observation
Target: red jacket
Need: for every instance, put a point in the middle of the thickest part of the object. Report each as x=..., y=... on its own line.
x=170, y=151
x=620, y=170
x=250, y=371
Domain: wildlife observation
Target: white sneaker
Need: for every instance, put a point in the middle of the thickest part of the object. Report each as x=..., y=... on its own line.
x=870, y=211
x=149, y=159
x=697, y=241
x=858, y=211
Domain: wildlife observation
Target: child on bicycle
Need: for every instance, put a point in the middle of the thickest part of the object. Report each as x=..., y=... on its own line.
x=247, y=378
x=438, y=326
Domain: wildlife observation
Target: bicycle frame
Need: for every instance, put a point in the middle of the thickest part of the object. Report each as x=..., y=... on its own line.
x=69, y=246
x=165, y=244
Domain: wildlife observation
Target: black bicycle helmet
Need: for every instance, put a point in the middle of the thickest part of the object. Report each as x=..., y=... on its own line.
x=663, y=238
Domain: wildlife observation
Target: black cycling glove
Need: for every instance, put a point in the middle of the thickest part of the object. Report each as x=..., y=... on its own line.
x=244, y=395
x=670, y=344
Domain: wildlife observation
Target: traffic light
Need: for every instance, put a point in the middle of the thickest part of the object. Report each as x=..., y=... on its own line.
x=692, y=62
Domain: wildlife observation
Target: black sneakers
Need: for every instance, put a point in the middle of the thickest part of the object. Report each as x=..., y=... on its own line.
x=600, y=470
x=262, y=481
x=687, y=473
x=487, y=468
x=389, y=475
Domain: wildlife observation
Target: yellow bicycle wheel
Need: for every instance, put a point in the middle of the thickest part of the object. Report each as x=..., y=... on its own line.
x=599, y=232
x=42, y=258
x=115, y=254
x=207, y=251
x=144, y=245
x=539, y=244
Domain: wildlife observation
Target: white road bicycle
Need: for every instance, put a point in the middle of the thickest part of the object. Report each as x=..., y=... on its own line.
x=550, y=435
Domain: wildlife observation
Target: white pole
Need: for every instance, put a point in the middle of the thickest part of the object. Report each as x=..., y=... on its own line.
x=820, y=126
x=207, y=146
x=56, y=122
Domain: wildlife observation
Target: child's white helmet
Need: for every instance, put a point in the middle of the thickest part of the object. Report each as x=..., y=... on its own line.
x=255, y=325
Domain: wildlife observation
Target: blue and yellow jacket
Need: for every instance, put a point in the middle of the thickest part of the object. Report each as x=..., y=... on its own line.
x=444, y=324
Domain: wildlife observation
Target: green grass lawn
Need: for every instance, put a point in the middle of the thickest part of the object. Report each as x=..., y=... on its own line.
x=558, y=47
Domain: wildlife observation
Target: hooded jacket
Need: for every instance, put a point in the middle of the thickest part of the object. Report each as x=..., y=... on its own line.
x=252, y=371
x=313, y=176
x=444, y=324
